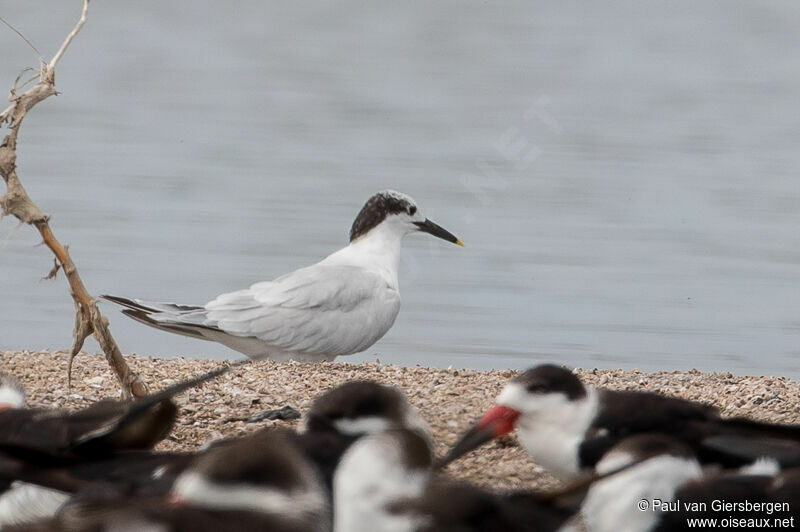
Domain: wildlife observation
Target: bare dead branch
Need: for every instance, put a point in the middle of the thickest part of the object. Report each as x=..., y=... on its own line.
x=53, y=271
x=15, y=30
x=81, y=21
x=30, y=79
x=6, y=114
x=88, y=320
x=82, y=330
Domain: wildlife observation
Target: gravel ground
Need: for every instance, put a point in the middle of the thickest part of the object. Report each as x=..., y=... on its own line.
x=451, y=400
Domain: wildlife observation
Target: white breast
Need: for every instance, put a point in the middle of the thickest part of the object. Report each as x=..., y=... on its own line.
x=368, y=479
x=23, y=503
x=611, y=505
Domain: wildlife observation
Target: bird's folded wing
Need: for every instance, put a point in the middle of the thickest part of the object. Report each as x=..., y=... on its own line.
x=750, y=448
x=323, y=309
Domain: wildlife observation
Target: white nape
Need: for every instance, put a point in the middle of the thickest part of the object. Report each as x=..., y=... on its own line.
x=197, y=490
x=361, y=425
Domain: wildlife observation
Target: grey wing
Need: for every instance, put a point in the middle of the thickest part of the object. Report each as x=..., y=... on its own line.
x=322, y=309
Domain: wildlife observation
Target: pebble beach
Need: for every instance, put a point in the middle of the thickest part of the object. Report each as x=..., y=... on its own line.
x=450, y=399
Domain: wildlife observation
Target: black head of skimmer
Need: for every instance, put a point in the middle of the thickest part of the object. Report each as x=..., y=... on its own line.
x=347, y=412
x=567, y=427
x=338, y=306
x=356, y=408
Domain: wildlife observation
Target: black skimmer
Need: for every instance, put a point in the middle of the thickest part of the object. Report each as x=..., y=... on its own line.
x=567, y=427
x=99, y=430
x=659, y=466
x=334, y=421
x=47, y=454
x=338, y=306
x=664, y=488
x=385, y=481
x=342, y=415
x=257, y=482
x=263, y=473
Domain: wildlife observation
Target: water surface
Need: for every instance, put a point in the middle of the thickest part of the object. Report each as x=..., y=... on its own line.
x=624, y=175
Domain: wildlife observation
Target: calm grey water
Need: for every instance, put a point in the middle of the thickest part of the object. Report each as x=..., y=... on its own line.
x=625, y=175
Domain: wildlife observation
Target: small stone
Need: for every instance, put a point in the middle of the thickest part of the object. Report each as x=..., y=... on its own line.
x=285, y=413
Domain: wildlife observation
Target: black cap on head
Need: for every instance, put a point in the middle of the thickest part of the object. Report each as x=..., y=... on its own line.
x=356, y=399
x=549, y=378
x=377, y=208
x=264, y=458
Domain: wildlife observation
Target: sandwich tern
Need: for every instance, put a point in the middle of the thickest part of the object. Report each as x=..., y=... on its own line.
x=338, y=306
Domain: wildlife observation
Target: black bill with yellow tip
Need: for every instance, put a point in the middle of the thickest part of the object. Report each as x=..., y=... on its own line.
x=438, y=231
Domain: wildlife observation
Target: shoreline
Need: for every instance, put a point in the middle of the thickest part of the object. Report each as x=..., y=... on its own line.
x=449, y=399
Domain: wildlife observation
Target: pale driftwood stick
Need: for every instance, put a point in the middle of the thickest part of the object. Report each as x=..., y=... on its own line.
x=88, y=320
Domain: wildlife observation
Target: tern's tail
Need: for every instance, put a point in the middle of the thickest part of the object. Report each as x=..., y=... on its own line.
x=187, y=320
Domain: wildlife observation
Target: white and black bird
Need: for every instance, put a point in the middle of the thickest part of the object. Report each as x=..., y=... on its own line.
x=257, y=482
x=566, y=427
x=348, y=412
x=47, y=436
x=262, y=474
x=657, y=467
x=338, y=306
x=335, y=420
x=385, y=482
x=48, y=454
x=660, y=486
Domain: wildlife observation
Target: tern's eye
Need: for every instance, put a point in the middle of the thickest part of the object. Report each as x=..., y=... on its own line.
x=412, y=210
x=536, y=388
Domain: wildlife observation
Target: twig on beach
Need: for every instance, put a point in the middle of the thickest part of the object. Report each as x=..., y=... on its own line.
x=88, y=319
